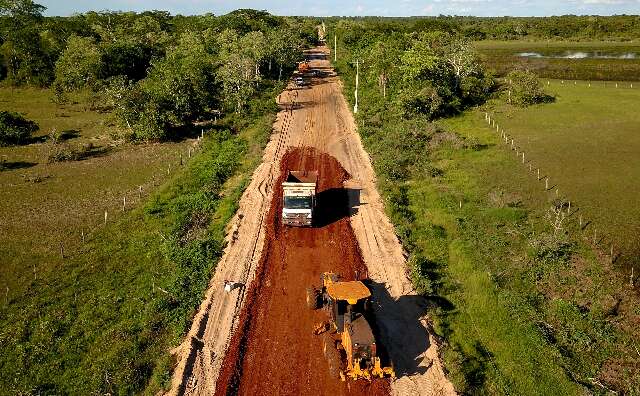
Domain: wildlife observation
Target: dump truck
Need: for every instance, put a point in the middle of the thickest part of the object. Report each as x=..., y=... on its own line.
x=348, y=340
x=300, y=81
x=299, y=198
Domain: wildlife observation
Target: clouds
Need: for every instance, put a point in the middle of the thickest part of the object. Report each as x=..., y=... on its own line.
x=359, y=7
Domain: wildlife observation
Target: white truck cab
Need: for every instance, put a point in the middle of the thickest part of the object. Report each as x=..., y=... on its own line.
x=299, y=198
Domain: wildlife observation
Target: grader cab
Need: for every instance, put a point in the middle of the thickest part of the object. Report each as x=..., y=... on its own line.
x=349, y=343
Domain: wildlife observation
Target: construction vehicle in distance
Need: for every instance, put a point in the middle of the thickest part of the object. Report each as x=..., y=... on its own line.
x=348, y=331
x=303, y=67
x=299, y=198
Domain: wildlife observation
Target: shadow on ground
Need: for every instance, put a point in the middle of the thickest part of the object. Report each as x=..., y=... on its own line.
x=335, y=204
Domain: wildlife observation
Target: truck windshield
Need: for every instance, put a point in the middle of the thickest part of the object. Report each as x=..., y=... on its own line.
x=297, y=202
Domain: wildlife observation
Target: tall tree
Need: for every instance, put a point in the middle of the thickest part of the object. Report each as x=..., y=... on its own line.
x=79, y=65
x=26, y=60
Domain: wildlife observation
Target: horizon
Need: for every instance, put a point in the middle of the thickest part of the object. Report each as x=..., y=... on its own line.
x=370, y=8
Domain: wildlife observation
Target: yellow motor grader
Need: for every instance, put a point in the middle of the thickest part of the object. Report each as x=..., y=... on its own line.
x=347, y=334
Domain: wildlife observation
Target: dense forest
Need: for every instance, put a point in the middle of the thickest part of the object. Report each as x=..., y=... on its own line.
x=567, y=27
x=154, y=70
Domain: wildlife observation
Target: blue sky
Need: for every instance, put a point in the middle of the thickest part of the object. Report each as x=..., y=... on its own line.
x=353, y=7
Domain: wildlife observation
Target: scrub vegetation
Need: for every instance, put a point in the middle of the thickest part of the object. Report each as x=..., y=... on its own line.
x=523, y=302
x=93, y=305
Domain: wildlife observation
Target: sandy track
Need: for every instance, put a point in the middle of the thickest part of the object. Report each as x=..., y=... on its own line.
x=322, y=120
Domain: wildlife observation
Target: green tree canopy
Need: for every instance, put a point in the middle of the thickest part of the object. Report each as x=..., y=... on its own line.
x=80, y=64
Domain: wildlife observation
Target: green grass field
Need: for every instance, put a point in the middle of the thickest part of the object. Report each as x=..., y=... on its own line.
x=587, y=142
x=103, y=318
x=522, y=311
x=501, y=57
x=60, y=201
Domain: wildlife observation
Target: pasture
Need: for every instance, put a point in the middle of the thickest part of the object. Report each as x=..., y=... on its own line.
x=582, y=308
x=60, y=201
x=502, y=57
x=587, y=143
x=102, y=313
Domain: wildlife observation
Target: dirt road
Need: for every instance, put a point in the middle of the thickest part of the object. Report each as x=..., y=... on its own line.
x=274, y=351
x=318, y=117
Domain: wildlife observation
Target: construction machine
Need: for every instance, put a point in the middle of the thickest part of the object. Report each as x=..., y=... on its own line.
x=349, y=343
x=303, y=67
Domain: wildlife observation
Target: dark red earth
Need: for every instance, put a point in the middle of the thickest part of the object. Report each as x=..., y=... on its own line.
x=274, y=351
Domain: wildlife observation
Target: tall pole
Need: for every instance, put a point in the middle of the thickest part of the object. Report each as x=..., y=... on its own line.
x=335, y=48
x=355, y=107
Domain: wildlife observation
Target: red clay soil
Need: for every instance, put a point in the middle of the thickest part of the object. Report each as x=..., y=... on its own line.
x=274, y=351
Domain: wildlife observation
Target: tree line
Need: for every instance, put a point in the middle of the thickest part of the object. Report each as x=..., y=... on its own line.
x=566, y=27
x=155, y=71
x=432, y=73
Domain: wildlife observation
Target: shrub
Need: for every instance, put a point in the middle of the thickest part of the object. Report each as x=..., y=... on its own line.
x=15, y=129
x=526, y=89
x=58, y=152
x=548, y=247
x=422, y=272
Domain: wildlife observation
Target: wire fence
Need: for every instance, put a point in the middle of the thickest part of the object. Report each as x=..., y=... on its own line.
x=564, y=208
x=599, y=84
x=127, y=201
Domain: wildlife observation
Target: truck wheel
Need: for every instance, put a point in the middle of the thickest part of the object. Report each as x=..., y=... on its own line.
x=313, y=298
x=332, y=355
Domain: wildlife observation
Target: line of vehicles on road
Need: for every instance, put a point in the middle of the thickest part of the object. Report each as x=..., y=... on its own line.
x=349, y=344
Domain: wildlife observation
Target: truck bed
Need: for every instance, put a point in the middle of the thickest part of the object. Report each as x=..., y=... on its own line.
x=302, y=177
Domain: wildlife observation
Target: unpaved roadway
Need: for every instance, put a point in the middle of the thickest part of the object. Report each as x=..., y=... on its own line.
x=233, y=347
x=274, y=351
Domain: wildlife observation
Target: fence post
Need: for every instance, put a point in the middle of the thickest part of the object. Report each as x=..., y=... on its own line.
x=546, y=183
x=105, y=217
x=611, y=253
x=124, y=203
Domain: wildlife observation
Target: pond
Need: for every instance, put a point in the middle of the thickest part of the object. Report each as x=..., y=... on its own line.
x=581, y=55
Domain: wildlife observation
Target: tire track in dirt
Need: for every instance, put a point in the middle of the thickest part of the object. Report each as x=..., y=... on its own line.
x=274, y=351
